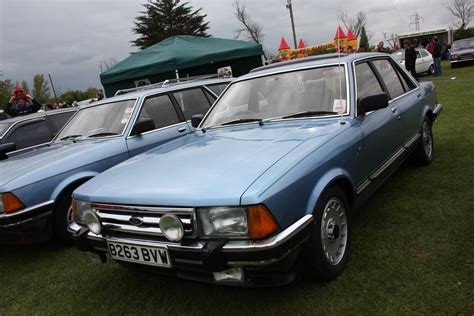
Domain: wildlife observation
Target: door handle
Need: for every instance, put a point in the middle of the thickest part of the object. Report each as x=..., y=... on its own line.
x=182, y=129
x=393, y=109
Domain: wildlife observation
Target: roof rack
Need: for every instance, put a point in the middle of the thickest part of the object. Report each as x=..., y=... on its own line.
x=169, y=82
x=299, y=61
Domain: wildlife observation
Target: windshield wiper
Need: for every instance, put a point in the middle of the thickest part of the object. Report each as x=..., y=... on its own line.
x=308, y=113
x=73, y=137
x=237, y=121
x=101, y=134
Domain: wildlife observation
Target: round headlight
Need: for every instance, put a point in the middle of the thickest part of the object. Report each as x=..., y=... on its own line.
x=92, y=221
x=171, y=227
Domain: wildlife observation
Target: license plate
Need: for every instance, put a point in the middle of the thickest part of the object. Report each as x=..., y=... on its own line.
x=154, y=256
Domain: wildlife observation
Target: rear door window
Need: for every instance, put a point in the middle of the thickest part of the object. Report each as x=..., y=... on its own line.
x=390, y=77
x=161, y=110
x=30, y=134
x=192, y=102
x=367, y=83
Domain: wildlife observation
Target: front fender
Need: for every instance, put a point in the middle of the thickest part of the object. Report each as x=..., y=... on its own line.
x=81, y=176
x=323, y=183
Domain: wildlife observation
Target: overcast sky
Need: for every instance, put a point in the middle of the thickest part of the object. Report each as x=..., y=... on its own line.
x=68, y=39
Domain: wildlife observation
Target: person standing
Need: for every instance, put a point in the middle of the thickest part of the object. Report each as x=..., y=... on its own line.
x=410, y=58
x=437, y=56
x=21, y=104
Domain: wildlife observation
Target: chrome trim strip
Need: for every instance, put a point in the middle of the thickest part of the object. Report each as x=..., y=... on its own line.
x=154, y=130
x=382, y=168
x=272, y=242
x=412, y=140
x=26, y=210
x=363, y=186
x=148, y=209
x=26, y=221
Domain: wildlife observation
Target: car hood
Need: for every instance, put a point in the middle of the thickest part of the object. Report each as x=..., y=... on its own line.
x=203, y=169
x=55, y=159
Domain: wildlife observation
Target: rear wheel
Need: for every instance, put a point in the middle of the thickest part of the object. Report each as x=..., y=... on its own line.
x=431, y=70
x=328, y=250
x=423, y=154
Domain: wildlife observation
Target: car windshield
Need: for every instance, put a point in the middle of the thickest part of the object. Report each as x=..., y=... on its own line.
x=3, y=128
x=106, y=119
x=311, y=92
x=463, y=44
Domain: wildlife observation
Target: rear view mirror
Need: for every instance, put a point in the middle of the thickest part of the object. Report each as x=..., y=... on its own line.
x=373, y=102
x=196, y=120
x=6, y=148
x=143, y=127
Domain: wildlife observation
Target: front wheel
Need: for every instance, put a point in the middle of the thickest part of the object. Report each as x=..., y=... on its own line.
x=328, y=250
x=423, y=154
x=62, y=218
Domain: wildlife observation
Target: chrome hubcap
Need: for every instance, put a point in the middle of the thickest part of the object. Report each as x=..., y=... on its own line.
x=427, y=140
x=334, y=231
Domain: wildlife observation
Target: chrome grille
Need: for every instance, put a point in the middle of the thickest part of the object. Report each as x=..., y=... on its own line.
x=116, y=218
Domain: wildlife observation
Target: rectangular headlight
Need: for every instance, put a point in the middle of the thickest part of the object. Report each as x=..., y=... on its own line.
x=223, y=222
x=78, y=208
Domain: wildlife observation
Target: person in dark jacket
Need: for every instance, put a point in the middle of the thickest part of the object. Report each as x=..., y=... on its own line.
x=410, y=58
x=437, y=56
x=21, y=104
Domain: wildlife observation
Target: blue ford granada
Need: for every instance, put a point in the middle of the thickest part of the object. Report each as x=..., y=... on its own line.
x=266, y=186
x=36, y=186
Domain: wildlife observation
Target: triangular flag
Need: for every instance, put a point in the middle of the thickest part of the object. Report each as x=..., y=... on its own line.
x=283, y=44
x=339, y=33
x=301, y=44
x=351, y=36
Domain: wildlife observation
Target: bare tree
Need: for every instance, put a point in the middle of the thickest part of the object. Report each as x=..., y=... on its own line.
x=390, y=39
x=250, y=30
x=463, y=10
x=107, y=63
x=354, y=23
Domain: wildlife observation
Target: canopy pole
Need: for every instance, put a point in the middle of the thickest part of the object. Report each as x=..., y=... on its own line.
x=177, y=75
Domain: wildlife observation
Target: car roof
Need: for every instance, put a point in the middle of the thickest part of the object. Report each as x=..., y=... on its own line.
x=36, y=114
x=313, y=61
x=166, y=88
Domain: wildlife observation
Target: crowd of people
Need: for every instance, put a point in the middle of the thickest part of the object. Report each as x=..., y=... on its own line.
x=22, y=103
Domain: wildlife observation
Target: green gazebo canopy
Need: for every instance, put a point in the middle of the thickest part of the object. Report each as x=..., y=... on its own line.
x=181, y=52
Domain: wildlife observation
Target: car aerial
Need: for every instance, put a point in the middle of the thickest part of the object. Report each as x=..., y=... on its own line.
x=270, y=178
x=462, y=51
x=31, y=131
x=424, y=60
x=36, y=186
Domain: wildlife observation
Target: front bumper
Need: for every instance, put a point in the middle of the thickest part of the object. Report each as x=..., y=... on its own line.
x=437, y=110
x=29, y=226
x=271, y=261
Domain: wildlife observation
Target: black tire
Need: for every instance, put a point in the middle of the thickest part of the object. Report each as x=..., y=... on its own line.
x=431, y=70
x=62, y=217
x=424, y=151
x=318, y=265
x=453, y=66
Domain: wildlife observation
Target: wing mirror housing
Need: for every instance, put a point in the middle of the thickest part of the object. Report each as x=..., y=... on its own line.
x=196, y=120
x=143, y=127
x=6, y=148
x=373, y=102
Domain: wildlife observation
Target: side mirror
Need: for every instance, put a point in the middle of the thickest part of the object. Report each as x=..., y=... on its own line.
x=6, y=148
x=142, y=127
x=196, y=120
x=372, y=103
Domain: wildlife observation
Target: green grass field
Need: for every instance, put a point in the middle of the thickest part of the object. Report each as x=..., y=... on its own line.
x=412, y=253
